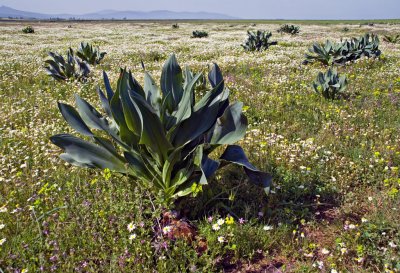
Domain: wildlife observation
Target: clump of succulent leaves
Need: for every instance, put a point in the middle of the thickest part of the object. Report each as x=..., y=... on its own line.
x=199, y=34
x=339, y=53
x=90, y=54
x=394, y=39
x=71, y=67
x=330, y=84
x=289, y=29
x=175, y=25
x=162, y=137
x=28, y=29
x=258, y=40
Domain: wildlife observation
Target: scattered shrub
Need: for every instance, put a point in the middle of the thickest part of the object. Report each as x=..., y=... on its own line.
x=90, y=54
x=345, y=51
x=290, y=29
x=258, y=41
x=330, y=84
x=345, y=29
x=166, y=137
x=61, y=68
x=28, y=29
x=199, y=34
x=175, y=25
x=394, y=39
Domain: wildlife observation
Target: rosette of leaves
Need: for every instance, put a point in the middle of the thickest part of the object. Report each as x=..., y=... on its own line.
x=258, y=41
x=345, y=51
x=365, y=46
x=290, y=29
x=330, y=84
x=61, y=68
x=199, y=34
x=28, y=29
x=90, y=54
x=163, y=136
x=394, y=39
x=324, y=53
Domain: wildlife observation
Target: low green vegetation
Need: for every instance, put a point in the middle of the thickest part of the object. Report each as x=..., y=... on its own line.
x=258, y=41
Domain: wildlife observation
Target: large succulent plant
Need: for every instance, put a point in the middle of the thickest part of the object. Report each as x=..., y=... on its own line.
x=258, y=40
x=61, y=68
x=330, y=84
x=90, y=54
x=345, y=51
x=394, y=39
x=164, y=137
x=28, y=29
x=290, y=29
x=199, y=34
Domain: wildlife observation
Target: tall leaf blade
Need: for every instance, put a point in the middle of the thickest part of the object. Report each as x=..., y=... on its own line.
x=74, y=120
x=235, y=154
x=82, y=153
x=171, y=82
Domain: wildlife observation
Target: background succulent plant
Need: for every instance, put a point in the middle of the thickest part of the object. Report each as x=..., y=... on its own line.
x=394, y=39
x=345, y=51
x=199, y=34
x=61, y=68
x=164, y=137
x=90, y=54
x=290, y=29
x=330, y=84
x=258, y=41
x=28, y=29
x=175, y=25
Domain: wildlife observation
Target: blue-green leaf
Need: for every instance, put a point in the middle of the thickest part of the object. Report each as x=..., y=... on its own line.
x=73, y=119
x=235, y=154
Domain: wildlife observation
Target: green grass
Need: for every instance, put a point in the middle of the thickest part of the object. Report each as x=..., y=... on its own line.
x=334, y=163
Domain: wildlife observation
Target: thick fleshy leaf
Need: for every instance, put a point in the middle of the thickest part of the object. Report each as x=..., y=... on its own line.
x=110, y=92
x=196, y=125
x=152, y=92
x=90, y=115
x=215, y=76
x=209, y=166
x=139, y=169
x=171, y=82
x=231, y=126
x=169, y=164
x=118, y=113
x=104, y=103
x=185, y=105
x=135, y=86
x=85, y=154
x=198, y=157
x=132, y=114
x=235, y=154
x=73, y=119
x=153, y=134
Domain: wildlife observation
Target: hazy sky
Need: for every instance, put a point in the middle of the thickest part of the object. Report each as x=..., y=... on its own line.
x=252, y=9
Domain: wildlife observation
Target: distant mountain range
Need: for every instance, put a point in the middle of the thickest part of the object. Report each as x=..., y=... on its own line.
x=7, y=12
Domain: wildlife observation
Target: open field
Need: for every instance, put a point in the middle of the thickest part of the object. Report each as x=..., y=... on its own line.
x=335, y=164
